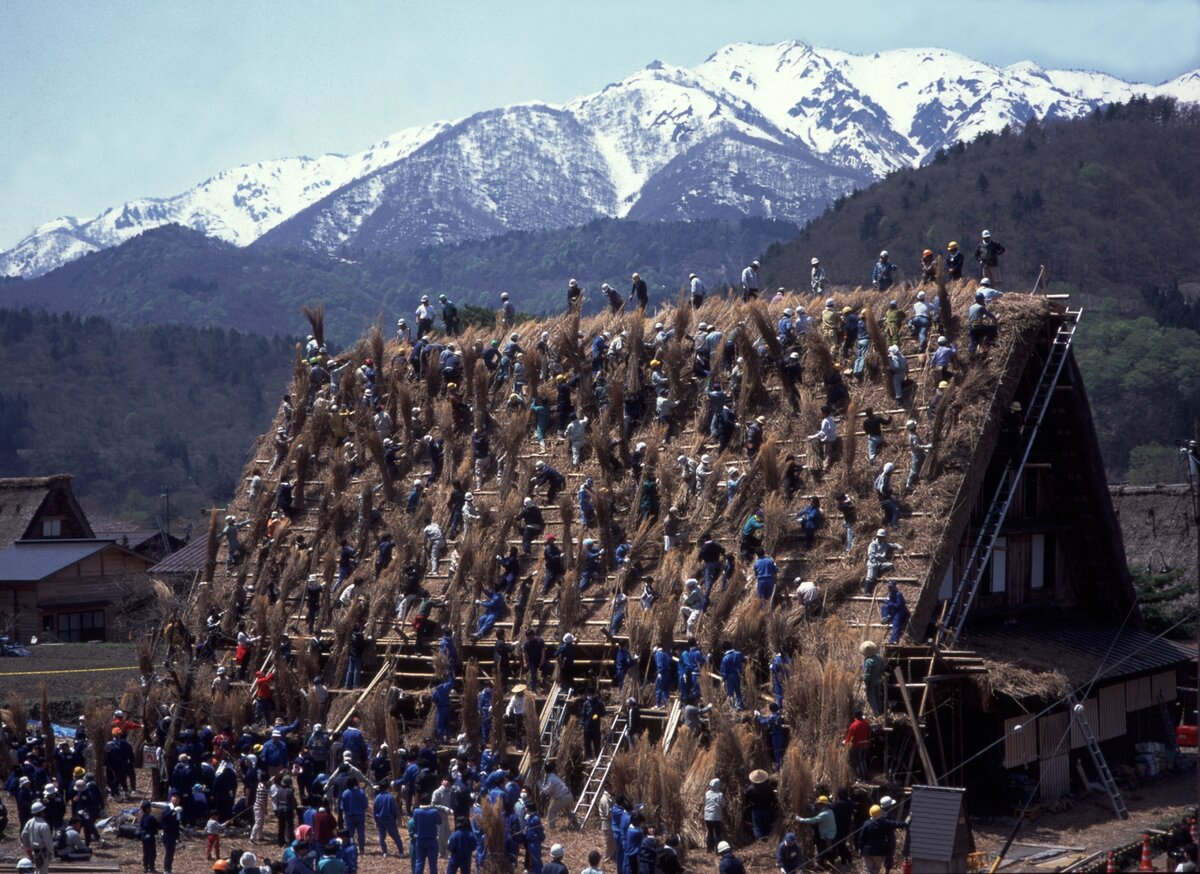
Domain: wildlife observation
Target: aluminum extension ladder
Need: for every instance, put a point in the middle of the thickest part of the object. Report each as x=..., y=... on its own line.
x=981, y=551
x=618, y=735
x=1098, y=760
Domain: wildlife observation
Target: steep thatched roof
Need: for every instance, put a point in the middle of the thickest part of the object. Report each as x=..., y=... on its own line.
x=340, y=500
x=22, y=497
x=1158, y=526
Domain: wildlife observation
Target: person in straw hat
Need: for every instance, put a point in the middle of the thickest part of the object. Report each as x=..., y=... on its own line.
x=760, y=799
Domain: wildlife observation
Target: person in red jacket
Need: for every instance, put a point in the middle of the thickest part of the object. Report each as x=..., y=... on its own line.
x=858, y=738
x=262, y=697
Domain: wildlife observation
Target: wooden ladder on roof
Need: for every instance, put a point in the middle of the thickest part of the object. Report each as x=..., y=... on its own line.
x=981, y=552
x=550, y=723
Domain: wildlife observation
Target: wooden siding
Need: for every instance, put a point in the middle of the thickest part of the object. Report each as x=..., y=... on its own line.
x=1018, y=568
x=1020, y=747
x=1111, y=712
x=1137, y=694
x=1091, y=712
x=1164, y=684
x=1055, y=758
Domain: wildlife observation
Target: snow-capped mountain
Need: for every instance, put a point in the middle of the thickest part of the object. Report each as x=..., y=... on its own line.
x=776, y=131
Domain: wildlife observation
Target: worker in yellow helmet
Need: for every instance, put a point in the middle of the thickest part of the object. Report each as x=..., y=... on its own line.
x=954, y=261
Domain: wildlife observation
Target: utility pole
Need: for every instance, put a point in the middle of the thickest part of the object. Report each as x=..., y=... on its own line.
x=167, y=494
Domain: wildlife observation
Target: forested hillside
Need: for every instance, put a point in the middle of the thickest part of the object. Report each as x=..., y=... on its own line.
x=1108, y=205
x=131, y=411
x=175, y=275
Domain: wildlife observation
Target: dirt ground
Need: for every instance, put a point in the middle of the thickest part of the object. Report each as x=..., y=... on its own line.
x=1086, y=824
x=72, y=672
x=1090, y=824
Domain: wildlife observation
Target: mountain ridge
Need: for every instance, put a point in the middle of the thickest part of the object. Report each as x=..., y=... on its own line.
x=777, y=131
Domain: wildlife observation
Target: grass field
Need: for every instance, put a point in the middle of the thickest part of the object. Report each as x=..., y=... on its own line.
x=72, y=672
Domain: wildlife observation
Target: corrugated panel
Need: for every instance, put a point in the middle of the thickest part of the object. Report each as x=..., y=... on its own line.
x=1091, y=712
x=1112, y=712
x=936, y=816
x=1020, y=747
x=1056, y=776
x=1164, y=684
x=1053, y=737
x=1137, y=694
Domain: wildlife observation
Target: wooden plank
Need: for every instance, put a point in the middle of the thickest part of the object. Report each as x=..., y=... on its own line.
x=1020, y=745
x=1111, y=712
x=1164, y=684
x=384, y=669
x=930, y=774
x=672, y=725
x=1137, y=694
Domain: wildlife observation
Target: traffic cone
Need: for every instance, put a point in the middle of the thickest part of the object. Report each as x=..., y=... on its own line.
x=1111, y=867
x=1147, y=864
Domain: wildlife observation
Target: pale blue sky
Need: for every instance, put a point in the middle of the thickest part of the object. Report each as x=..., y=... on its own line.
x=101, y=102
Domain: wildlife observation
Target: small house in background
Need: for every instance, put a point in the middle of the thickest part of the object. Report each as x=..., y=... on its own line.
x=940, y=836
x=1158, y=526
x=183, y=567
x=152, y=543
x=58, y=580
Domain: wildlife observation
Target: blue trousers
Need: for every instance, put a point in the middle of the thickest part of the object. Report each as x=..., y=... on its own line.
x=387, y=828
x=486, y=621
x=357, y=826
x=353, y=672
x=733, y=689
x=661, y=692
x=425, y=850
x=760, y=820
x=454, y=865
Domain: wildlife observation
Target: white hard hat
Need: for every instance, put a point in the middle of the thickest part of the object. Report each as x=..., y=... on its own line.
x=788, y=311
x=816, y=261
x=504, y=295
x=706, y=459
x=986, y=233
x=568, y=638
x=529, y=502
x=882, y=532
x=753, y=263
x=986, y=281
x=883, y=254
x=829, y=301
x=723, y=848
x=920, y=295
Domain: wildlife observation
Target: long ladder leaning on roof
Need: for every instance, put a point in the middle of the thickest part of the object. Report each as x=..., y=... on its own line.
x=554, y=714
x=1098, y=760
x=981, y=552
x=618, y=734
